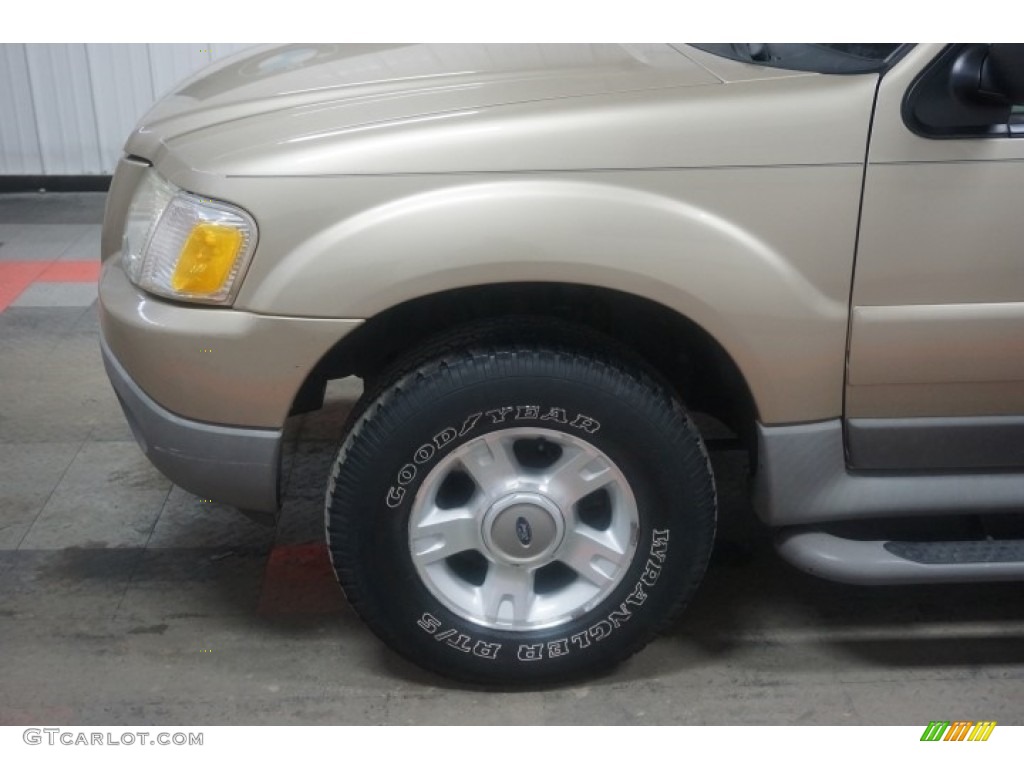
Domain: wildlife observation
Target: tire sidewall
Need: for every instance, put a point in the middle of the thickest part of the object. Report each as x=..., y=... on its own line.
x=658, y=453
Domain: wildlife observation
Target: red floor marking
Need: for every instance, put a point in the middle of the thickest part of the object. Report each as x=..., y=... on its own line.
x=71, y=272
x=299, y=579
x=16, y=276
x=37, y=716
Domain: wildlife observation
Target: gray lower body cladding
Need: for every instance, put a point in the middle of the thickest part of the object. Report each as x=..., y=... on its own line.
x=230, y=465
x=977, y=443
x=803, y=479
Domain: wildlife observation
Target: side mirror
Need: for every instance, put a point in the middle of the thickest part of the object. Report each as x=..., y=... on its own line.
x=989, y=74
x=1002, y=74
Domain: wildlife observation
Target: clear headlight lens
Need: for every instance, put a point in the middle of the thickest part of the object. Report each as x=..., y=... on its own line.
x=183, y=246
x=151, y=198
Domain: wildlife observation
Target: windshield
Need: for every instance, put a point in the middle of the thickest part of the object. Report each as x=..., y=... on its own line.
x=826, y=58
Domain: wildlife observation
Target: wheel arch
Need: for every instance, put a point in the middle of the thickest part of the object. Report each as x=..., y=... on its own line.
x=685, y=355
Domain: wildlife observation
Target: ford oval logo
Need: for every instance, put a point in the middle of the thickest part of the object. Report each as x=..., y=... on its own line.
x=523, y=531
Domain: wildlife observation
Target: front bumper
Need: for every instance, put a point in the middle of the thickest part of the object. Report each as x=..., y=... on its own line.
x=231, y=465
x=206, y=390
x=212, y=364
x=187, y=375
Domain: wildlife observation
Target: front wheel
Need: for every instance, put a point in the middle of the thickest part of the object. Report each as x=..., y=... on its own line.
x=520, y=513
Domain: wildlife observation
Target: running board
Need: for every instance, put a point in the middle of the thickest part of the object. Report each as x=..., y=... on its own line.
x=901, y=562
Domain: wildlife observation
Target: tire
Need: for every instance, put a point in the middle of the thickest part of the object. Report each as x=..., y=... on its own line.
x=514, y=505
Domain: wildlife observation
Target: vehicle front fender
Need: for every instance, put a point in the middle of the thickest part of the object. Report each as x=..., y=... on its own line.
x=722, y=259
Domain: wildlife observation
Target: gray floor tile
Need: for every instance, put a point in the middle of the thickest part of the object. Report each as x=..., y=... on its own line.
x=301, y=521
x=188, y=522
x=56, y=380
x=18, y=324
x=625, y=703
x=29, y=473
x=55, y=586
x=447, y=707
x=88, y=322
x=108, y=422
x=52, y=208
x=57, y=295
x=175, y=583
x=86, y=247
x=899, y=703
x=110, y=496
x=41, y=242
x=185, y=669
x=311, y=463
x=17, y=515
x=8, y=231
x=21, y=356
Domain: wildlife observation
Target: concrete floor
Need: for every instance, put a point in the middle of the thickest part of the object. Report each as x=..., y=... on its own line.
x=125, y=600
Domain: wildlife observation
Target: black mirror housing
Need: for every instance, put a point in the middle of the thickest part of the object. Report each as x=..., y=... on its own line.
x=1002, y=74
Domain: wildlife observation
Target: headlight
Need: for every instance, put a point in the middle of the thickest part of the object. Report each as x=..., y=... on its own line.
x=183, y=246
x=148, y=204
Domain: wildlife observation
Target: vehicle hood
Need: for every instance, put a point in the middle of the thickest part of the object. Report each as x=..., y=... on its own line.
x=336, y=109
x=408, y=80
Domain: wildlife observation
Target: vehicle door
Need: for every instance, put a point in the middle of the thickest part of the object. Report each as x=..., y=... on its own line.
x=935, y=377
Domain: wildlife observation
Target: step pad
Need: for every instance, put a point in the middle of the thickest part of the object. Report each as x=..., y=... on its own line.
x=855, y=561
x=953, y=552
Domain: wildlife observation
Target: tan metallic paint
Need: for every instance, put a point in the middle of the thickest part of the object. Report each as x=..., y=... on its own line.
x=814, y=120
x=375, y=82
x=940, y=344
x=640, y=169
x=213, y=365
x=938, y=318
x=776, y=301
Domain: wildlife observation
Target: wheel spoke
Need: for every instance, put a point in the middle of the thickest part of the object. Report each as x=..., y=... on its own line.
x=594, y=555
x=576, y=476
x=492, y=466
x=506, y=585
x=443, y=533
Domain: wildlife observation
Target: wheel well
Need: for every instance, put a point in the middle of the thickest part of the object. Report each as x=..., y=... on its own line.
x=685, y=355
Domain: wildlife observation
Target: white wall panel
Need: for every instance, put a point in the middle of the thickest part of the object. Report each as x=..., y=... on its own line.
x=65, y=118
x=67, y=109
x=170, y=64
x=122, y=89
x=19, y=145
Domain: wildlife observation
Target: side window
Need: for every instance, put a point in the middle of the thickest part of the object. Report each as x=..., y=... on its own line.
x=970, y=90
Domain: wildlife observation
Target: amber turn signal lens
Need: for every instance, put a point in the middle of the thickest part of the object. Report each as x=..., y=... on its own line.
x=206, y=259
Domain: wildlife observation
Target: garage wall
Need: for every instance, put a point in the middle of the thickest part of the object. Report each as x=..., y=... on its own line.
x=66, y=109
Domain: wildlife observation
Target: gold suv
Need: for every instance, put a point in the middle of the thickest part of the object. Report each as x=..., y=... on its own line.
x=540, y=260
